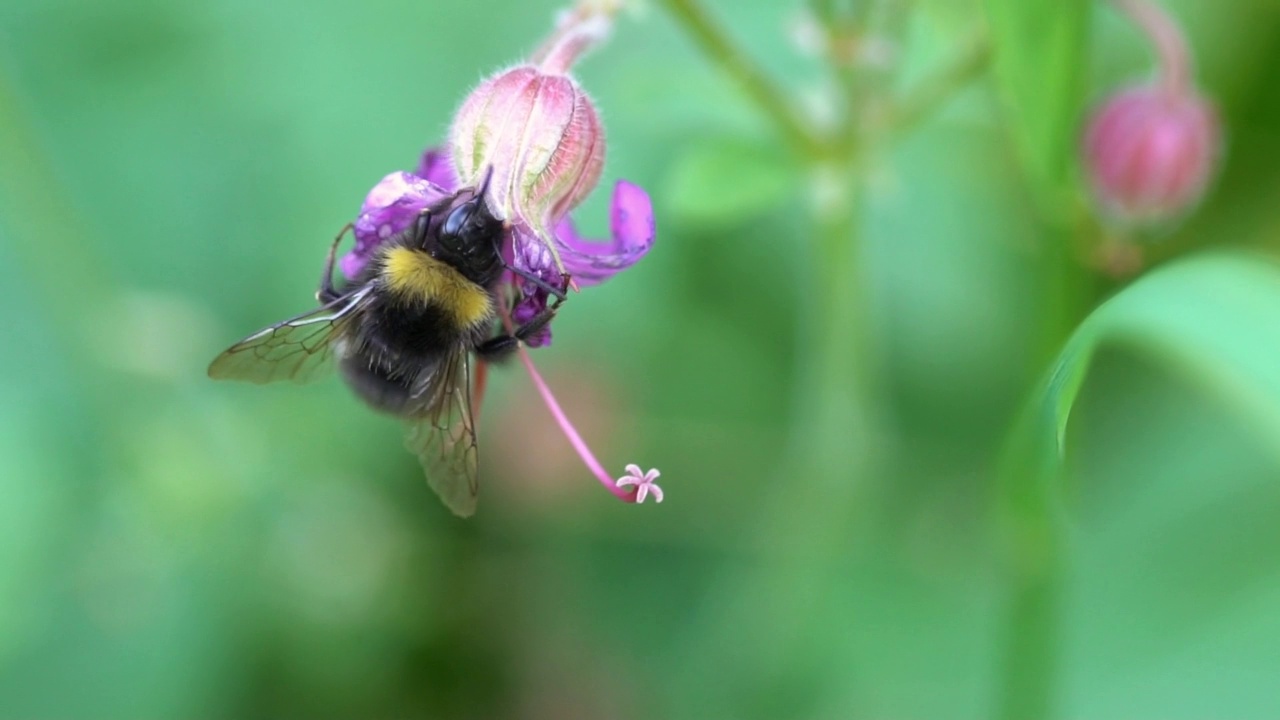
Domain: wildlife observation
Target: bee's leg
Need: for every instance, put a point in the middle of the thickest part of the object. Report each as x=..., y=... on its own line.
x=500, y=347
x=557, y=292
x=327, y=292
x=497, y=348
x=421, y=228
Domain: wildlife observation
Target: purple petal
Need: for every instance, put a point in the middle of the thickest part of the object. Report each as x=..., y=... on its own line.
x=633, y=229
x=533, y=302
x=352, y=264
x=437, y=168
x=389, y=208
x=531, y=255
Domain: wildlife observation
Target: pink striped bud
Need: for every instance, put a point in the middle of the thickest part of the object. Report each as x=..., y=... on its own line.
x=535, y=129
x=1150, y=150
x=1150, y=153
x=540, y=135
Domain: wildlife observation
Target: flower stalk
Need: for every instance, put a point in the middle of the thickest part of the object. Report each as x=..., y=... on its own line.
x=968, y=62
x=1170, y=45
x=577, y=31
x=725, y=53
x=828, y=458
x=616, y=487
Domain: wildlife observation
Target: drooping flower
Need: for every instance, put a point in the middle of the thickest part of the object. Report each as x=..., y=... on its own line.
x=1151, y=153
x=535, y=135
x=1151, y=149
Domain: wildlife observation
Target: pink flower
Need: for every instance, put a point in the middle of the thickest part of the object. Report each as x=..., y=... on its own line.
x=644, y=483
x=1150, y=150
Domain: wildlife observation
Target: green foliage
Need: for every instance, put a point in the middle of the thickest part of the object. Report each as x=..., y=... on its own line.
x=1208, y=317
x=1040, y=65
x=722, y=180
x=1205, y=321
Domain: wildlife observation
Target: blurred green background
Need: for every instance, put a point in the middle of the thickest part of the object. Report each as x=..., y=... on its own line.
x=170, y=176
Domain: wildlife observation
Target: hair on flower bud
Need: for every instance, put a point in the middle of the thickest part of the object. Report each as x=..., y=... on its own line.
x=539, y=135
x=537, y=130
x=542, y=138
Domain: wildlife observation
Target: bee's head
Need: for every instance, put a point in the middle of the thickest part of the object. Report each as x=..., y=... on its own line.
x=470, y=229
x=464, y=234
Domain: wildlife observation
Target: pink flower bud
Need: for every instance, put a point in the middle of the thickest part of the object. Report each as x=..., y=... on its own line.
x=540, y=136
x=1151, y=149
x=1150, y=153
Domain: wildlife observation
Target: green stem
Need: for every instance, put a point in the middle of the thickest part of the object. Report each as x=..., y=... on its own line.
x=829, y=456
x=1033, y=535
x=816, y=496
x=844, y=28
x=1029, y=503
x=830, y=450
x=834, y=372
x=865, y=83
x=965, y=65
x=722, y=51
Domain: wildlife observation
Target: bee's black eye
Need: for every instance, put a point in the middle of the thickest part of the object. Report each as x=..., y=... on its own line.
x=459, y=218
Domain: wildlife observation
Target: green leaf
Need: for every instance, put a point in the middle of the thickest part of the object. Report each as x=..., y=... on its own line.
x=726, y=180
x=1039, y=56
x=1211, y=320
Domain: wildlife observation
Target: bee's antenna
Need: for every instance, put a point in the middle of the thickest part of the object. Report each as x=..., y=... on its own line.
x=484, y=184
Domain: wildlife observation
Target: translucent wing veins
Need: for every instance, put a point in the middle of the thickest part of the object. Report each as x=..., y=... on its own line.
x=295, y=349
x=444, y=436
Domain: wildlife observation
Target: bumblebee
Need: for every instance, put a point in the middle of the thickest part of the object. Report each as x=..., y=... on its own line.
x=404, y=334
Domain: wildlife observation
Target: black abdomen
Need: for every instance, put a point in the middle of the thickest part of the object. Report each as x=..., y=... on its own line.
x=382, y=387
x=418, y=332
x=395, y=350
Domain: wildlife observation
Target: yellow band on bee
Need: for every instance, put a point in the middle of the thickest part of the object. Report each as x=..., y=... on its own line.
x=416, y=276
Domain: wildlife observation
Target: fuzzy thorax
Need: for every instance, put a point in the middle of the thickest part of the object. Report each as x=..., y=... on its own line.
x=416, y=277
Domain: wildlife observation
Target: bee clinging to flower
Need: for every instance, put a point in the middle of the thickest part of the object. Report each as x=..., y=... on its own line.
x=466, y=261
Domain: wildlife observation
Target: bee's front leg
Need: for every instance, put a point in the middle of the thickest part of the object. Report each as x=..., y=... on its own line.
x=327, y=292
x=500, y=347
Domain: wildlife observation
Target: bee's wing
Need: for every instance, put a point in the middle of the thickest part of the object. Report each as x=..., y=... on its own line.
x=296, y=349
x=444, y=436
